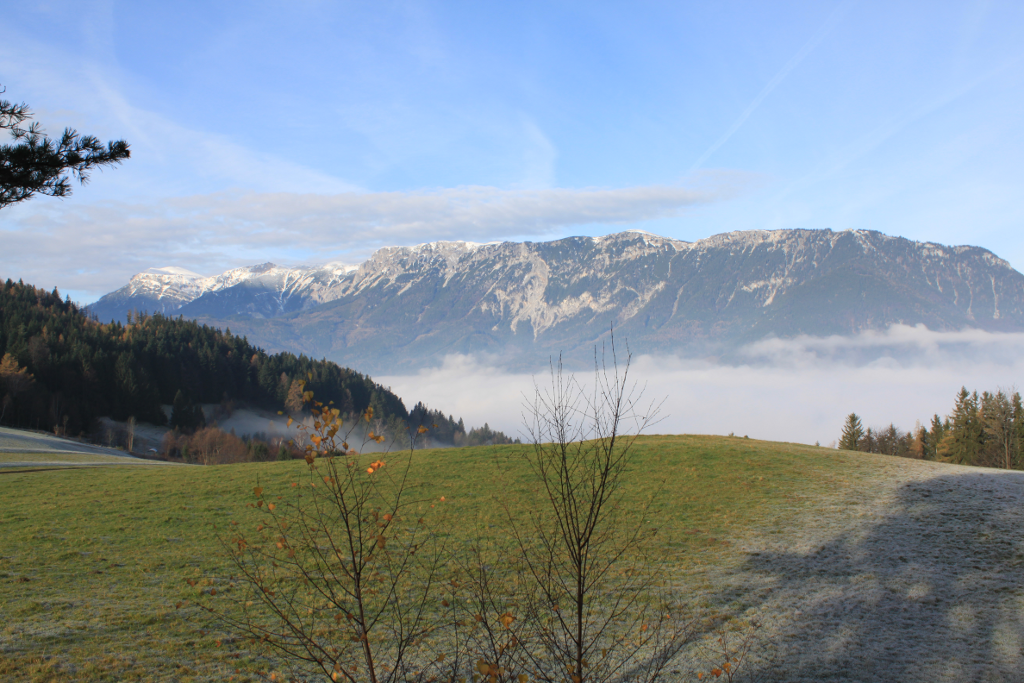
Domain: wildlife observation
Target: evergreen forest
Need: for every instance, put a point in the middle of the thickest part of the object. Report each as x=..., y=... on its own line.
x=60, y=370
x=986, y=430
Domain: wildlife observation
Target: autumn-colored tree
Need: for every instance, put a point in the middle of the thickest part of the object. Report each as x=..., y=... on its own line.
x=963, y=441
x=293, y=402
x=919, y=443
x=985, y=430
x=341, y=568
x=14, y=380
x=344, y=575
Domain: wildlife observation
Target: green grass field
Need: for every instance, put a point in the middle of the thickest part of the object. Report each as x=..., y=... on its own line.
x=94, y=560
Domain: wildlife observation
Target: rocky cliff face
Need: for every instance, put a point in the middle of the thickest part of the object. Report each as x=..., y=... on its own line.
x=409, y=306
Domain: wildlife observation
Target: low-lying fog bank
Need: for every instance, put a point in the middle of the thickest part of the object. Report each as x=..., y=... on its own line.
x=797, y=390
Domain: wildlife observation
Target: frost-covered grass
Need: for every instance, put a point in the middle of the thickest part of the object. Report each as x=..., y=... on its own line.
x=94, y=560
x=76, y=459
x=906, y=571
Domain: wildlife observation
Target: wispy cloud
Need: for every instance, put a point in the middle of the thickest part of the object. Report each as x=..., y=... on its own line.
x=97, y=247
x=168, y=156
x=801, y=54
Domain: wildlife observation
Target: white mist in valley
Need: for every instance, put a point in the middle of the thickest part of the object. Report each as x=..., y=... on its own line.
x=798, y=390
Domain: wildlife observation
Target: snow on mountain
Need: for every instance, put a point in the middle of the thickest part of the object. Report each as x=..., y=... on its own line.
x=170, y=290
x=173, y=270
x=418, y=303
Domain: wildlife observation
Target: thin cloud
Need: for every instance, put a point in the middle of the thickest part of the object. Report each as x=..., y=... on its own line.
x=97, y=247
x=818, y=36
x=902, y=344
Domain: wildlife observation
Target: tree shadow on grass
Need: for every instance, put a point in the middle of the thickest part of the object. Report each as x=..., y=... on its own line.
x=932, y=589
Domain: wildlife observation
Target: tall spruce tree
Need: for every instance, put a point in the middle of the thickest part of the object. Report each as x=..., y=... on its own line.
x=964, y=439
x=1018, y=425
x=936, y=435
x=853, y=432
x=1001, y=447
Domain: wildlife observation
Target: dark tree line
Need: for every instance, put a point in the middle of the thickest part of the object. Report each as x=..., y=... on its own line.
x=61, y=369
x=447, y=430
x=985, y=430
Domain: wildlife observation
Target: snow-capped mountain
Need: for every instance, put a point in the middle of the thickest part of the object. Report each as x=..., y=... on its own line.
x=407, y=306
x=265, y=290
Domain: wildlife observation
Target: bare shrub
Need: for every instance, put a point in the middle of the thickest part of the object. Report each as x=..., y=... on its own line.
x=580, y=599
x=340, y=576
x=344, y=577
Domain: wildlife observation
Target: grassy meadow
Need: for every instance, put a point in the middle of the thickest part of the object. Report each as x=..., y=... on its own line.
x=94, y=560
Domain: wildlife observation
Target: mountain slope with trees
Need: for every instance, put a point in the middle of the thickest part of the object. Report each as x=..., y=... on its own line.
x=61, y=370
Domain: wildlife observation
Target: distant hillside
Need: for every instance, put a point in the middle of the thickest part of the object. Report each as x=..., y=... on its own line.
x=61, y=368
x=407, y=307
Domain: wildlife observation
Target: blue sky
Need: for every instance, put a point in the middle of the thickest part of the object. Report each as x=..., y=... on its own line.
x=318, y=131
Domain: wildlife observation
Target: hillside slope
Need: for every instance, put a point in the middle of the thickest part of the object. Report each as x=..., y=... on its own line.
x=858, y=566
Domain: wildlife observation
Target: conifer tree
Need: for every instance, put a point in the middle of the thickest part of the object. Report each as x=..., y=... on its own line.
x=919, y=444
x=964, y=439
x=997, y=412
x=1018, y=422
x=36, y=164
x=936, y=435
x=853, y=432
x=13, y=381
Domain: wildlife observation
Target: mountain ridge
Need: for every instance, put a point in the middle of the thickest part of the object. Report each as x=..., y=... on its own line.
x=406, y=307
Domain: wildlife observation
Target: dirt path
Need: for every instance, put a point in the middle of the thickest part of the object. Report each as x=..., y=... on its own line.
x=915, y=572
